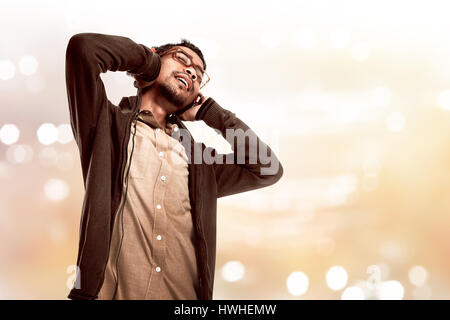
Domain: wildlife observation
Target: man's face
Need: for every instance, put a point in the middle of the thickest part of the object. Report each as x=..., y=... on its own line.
x=173, y=77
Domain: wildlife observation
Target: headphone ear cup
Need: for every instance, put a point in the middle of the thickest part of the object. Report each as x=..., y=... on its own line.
x=196, y=101
x=179, y=112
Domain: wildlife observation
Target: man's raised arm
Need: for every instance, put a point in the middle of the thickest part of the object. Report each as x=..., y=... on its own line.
x=88, y=55
x=252, y=165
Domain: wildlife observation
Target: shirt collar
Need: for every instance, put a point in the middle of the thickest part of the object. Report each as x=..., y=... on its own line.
x=147, y=117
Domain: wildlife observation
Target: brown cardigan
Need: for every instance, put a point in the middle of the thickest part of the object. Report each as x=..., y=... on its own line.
x=102, y=132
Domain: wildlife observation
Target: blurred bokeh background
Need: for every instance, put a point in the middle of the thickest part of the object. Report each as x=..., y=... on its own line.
x=353, y=97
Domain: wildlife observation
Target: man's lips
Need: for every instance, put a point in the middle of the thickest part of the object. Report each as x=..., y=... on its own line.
x=185, y=80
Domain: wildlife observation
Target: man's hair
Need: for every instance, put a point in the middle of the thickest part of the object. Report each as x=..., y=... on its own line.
x=184, y=43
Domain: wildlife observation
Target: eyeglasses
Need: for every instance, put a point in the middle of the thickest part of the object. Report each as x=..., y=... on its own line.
x=187, y=60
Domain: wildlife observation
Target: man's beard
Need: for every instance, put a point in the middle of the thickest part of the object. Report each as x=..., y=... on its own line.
x=170, y=92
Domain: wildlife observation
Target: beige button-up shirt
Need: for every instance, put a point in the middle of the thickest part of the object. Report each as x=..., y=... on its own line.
x=155, y=230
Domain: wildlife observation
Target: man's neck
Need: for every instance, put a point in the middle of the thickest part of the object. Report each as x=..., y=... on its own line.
x=155, y=103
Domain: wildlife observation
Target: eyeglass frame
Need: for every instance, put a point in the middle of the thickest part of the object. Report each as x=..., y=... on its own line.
x=174, y=51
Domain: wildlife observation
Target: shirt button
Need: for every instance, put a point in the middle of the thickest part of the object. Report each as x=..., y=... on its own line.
x=175, y=129
x=159, y=237
x=158, y=269
x=161, y=153
x=158, y=206
x=163, y=178
x=158, y=130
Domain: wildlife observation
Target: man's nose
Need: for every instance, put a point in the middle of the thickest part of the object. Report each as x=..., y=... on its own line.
x=191, y=72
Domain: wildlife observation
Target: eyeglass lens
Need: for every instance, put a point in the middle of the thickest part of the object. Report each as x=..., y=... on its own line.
x=187, y=62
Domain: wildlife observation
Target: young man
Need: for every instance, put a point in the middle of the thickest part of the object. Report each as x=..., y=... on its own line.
x=148, y=225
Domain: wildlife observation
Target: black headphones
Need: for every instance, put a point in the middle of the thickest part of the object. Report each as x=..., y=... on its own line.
x=194, y=103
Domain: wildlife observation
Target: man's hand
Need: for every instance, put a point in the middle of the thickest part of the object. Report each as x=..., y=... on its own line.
x=189, y=114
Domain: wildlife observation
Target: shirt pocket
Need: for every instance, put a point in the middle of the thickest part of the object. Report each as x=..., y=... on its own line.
x=141, y=157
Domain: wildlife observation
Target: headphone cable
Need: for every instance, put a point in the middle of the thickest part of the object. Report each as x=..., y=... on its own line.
x=123, y=207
